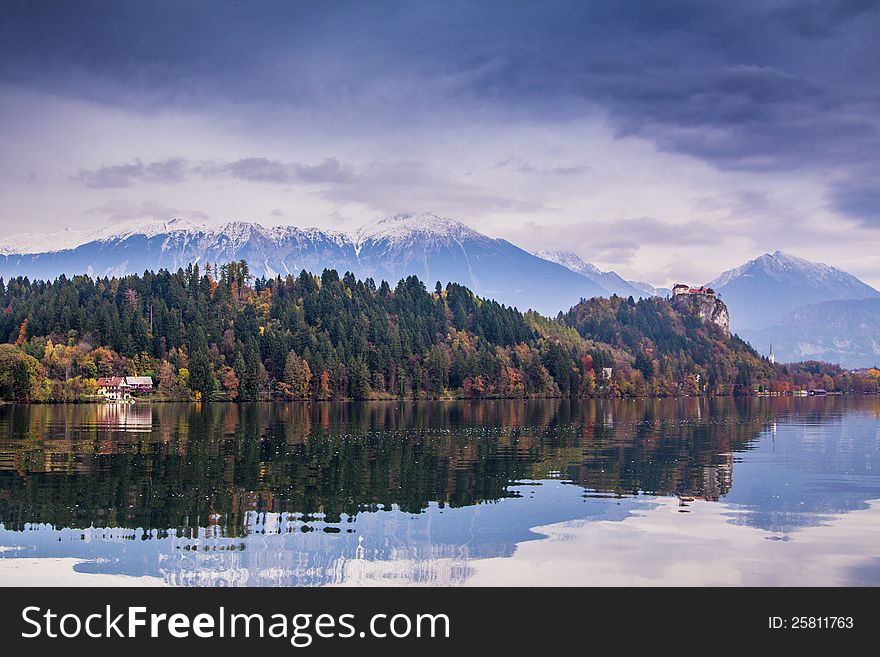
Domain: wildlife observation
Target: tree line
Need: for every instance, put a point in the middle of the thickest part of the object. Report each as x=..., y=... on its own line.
x=218, y=333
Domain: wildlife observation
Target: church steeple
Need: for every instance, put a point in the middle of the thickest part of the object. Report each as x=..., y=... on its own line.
x=771, y=357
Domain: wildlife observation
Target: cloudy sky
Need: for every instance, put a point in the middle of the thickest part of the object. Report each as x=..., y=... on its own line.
x=664, y=140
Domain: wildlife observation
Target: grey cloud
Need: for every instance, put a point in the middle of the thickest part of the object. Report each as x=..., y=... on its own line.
x=779, y=87
x=622, y=253
x=744, y=85
x=618, y=242
x=821, y=19
x=125, y=175
x=261, y=169
x=386, y=186
x=251, y=169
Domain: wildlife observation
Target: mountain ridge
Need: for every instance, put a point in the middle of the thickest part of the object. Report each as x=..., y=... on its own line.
x=767, y=288
x=610, y=280
x=434, y=248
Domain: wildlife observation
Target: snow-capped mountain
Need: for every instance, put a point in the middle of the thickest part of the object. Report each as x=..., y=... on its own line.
x=609, y=280
x=134, y=248
x=431, y=247
x=764, y=290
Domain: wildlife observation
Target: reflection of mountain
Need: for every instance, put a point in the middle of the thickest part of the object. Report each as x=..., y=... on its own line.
x=809, y=471
x=433, y=547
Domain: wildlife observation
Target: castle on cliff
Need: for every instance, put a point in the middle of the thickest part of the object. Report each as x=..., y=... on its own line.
x=702, y=302
x=681, y=288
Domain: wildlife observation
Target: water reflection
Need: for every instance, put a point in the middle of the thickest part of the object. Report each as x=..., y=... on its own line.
x=437, y=493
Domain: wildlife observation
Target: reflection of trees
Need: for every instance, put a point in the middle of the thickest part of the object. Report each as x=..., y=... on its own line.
x=177, y=466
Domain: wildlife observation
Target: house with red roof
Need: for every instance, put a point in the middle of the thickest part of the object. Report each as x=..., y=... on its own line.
x=114, y=388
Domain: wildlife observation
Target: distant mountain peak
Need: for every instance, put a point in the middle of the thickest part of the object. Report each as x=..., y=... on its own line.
x=570, y=260
x=609, y=280
x=765, y=289
x=785, y=267
x=406, y=225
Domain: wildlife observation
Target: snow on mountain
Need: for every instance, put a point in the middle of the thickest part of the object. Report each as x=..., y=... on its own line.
x=408, y=226
x=783, y=266
x=609, y=280
x=234, y=233
x=764, y=290
x=571, y=260
x=433, y=248
x=442, y=249
x=32, y=243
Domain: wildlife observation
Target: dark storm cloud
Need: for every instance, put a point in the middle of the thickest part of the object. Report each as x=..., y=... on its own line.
x=754, y=84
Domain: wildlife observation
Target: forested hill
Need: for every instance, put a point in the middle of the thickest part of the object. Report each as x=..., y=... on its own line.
x=219, y=334
x=671, y=349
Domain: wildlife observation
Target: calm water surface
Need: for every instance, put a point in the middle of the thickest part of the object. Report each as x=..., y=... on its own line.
x=644, y=492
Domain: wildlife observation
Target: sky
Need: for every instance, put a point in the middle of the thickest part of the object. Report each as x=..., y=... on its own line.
x=666, y=141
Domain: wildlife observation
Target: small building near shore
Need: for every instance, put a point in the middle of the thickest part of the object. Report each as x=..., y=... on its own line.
x=140, y=384
x=114, y=388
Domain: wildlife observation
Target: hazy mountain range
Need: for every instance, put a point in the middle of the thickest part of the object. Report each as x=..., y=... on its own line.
x=845, y=332
x=807, y=309
x=608, y=280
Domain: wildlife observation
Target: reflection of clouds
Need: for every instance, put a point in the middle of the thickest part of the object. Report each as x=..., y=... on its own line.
x=62, y=572
x=662, y=547
x=654, y=545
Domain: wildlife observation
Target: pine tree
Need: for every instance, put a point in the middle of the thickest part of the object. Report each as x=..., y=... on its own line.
x=201, y=379
x=359, y=378
x=249, y=389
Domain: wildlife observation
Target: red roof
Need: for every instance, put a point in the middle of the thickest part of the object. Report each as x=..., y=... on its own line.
x=110, y=381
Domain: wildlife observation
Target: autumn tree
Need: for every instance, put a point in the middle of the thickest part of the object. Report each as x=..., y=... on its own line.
x=297, y=375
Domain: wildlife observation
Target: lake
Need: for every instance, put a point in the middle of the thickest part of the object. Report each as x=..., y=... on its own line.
x=642, y=492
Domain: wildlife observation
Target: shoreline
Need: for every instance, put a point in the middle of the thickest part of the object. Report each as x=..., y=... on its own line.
x=349, y=400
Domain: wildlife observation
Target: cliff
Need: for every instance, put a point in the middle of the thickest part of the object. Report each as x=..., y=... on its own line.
x=706, y=306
